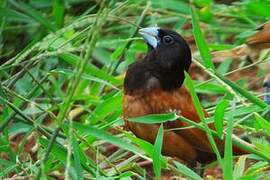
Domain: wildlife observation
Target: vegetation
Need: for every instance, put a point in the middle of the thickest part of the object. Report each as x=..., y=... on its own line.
x=62, y=69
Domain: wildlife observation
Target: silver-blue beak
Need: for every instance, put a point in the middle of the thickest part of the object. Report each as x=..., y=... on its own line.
x=150, y=35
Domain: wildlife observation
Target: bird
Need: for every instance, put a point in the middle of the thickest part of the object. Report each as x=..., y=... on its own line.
x=154, y=85
x=256, y=48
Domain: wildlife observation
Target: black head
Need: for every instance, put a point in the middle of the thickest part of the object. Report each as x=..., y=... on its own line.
x=163, y=67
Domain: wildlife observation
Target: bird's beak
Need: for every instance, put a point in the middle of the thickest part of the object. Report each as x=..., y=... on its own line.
x=150, y=35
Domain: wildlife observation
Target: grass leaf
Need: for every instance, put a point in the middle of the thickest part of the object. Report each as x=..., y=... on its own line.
x=252, y=98
x=187, y=171
x=147, y=147
x=228, y=152
x=264, y=123
x=154, y=118
x=36, y=15
x=77, y=159
x=58, y=12
x=157, y=152
x=13, y=15
x=200, y=111
x=219, y=116
x=90, y=68
x=200, y=41
x=101, y=134
x=239, y=167
x=105, y=108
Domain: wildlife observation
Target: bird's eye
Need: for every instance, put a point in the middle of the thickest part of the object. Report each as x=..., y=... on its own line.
x=167, y=39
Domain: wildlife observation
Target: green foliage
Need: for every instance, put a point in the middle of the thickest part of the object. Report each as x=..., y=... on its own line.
x=200, y=41
x=62, y=69
x=219, y=116
x=228, y=150
x=199, y=109
x=186, y=171
x=157, y=152
x=155, y=118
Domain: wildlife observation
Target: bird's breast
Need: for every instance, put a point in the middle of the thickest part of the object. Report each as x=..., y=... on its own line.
x=159, y=101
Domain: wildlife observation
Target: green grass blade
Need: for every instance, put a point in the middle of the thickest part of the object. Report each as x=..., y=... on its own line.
x=154, y=118
x=13, y=15
x=57, y=150
x=89, y=68
x=264, y=123
x=157, y=152
x=77, y=158
x=60, y=153
x=228, y=153
x=239, y=167
x=105, y=108
x=147, y=147
x=187, y=171
x=173, y=5
x=195, y=99
x=199, y=109
x=255, y=169
x=252, y=98
x=58, y=12
x=219, y=116
x=101, y=134
x=90, y=43
x=200, y=41
x=263, y=147
x=211, y=88
x=36, y=15
x=85, y=76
